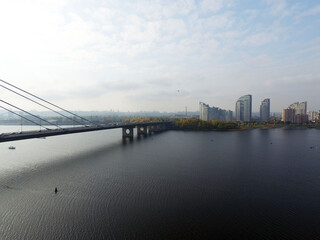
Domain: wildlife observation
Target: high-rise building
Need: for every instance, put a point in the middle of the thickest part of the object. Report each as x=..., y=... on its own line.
x=239, y=113
x=295, y=113
x=301, y=108
x=301, y=118
x=265, y=110
x=204, y=111
x=229, y=115
x=312, y=115
x=244, y=108
x=288, y=115
x=213, y=113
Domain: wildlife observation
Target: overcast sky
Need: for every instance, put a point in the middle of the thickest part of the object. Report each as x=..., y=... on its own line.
x=161, y=55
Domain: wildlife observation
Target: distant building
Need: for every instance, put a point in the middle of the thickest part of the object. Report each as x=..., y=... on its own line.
x=214, y=113
x=244, y=108
x=312, y=115
x=203, y=111
x=229, y=115
x=265, y=110
x=301, y=118
x=301, y=108
x=288, y=115
x=295, y=113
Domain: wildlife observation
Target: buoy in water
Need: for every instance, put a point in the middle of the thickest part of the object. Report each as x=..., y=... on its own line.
x=56, y=190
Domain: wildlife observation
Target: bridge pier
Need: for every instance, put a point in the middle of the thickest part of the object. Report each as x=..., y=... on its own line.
x=142, y=130
x=127, y=132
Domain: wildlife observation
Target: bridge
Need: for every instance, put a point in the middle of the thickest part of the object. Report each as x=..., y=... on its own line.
x=84, y=125
x=144, y=128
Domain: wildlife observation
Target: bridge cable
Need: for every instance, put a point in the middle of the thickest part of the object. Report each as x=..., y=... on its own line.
x=23, y=117
x=49, y=103
x=29, y=113
x=40, y=104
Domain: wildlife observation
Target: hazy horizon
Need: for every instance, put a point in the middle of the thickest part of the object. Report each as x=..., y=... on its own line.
x=161, y=55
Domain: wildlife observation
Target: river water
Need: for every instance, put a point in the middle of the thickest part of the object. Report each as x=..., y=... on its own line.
x=255, y=184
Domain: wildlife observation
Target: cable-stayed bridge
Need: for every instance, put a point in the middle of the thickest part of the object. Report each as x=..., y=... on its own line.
x=83, y=124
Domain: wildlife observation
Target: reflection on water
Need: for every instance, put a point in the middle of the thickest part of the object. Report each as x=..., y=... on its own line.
x=174, y=185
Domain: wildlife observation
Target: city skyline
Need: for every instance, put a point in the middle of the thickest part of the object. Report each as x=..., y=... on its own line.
x=161, y=55
x=302, y=108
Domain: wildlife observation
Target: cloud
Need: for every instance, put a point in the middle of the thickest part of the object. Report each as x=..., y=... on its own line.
x=159, y=95
x=223, y=21
x=214, y=5
x=108, y=50
x=259, y=39
x=311, y=12
x=156, y=10
x=302, y=79
x=277, y=7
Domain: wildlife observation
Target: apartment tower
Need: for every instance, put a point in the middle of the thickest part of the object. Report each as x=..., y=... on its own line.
x=244, y=108
x=265, y=110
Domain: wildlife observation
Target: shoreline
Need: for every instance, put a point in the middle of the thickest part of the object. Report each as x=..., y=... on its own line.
x=245, y=129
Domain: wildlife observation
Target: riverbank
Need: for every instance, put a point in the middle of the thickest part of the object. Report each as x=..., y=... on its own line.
x=199, y=125
x=216, y=125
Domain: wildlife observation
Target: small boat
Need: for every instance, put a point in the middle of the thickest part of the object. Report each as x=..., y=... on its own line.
x=12, y=148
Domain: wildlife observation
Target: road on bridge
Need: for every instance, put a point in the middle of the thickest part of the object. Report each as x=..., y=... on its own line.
x=15, y=136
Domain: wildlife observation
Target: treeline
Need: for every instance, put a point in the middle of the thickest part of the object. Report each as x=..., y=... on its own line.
x=145, y=119
x=188, y=124
x=197, y=124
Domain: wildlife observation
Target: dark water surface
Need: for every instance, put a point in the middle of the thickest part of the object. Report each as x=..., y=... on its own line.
x=259, y=184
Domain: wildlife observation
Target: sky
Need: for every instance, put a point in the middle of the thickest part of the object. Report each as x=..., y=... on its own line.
x=162, y=55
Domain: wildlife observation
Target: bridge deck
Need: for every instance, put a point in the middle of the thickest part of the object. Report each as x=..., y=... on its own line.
x=7, y=137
